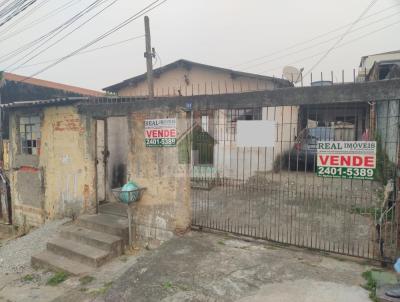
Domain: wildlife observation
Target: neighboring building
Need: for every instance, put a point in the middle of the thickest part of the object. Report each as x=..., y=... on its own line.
x=384, y=66
x=21, y=88
x=368, y=63
x=18, y=88
x=185, y=78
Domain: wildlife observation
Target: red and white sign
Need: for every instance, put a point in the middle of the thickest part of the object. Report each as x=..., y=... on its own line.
x=160, y=132
x=347, y=154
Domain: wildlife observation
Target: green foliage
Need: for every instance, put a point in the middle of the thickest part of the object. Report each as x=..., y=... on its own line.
x=167, y=285
x=86, y=280
x=385, y=169
x=372, y=211
x=281, y=161
x=28, y=278
x=57, y=278
x=370, y=285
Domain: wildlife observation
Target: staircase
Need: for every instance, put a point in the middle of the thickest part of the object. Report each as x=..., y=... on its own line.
x=87, y=244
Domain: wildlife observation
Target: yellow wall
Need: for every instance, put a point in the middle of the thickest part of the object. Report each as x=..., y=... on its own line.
x=67, y=163
x=201, y=81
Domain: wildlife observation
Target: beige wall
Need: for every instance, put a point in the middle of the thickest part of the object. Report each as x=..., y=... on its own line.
x=201, y=81
x=238, y=162
x=67, y=162
x=62, y=181
x=165, y=207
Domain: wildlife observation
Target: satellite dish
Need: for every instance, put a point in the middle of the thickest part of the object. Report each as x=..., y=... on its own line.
x=292, y=74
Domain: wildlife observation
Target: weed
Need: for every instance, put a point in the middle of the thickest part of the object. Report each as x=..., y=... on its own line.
x=372, y=211
x=28, y=278
x=221, y=242
x=102, y=290
x=84, y=289
x=57, y=278
x=86, y=280
x=167, y=285
x=370, y=285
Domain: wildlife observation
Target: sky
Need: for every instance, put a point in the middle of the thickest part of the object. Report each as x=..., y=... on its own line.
x=257, y=36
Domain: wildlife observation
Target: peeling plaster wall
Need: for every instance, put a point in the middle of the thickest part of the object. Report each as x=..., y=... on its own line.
x=67, y=162
x=61, y=180
x=26, y=181
x=65, y=172
x=165, y=206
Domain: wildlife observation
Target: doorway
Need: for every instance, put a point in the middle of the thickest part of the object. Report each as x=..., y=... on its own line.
x=112, y=146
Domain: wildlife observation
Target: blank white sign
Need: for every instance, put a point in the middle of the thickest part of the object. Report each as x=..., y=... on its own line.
x=256, y=134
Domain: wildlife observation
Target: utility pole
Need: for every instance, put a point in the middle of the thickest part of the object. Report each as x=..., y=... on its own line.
x=149, y=54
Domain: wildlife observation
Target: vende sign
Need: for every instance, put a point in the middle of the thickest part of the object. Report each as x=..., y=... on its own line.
x=160, y=132
x=346, y=159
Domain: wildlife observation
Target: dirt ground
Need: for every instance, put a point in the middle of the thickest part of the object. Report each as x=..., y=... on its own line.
x=210, y=267
x=299, y=208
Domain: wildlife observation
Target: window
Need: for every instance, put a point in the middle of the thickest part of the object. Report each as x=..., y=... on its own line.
x=204, y=123
x=247, y=114
x=29, y=129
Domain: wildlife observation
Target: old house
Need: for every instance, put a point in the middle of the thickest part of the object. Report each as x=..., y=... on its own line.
x=187, y=78
x=19, y=89
x=66, y=157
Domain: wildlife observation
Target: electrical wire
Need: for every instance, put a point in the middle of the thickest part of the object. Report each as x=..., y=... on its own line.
x=338, y=46
x=153, y=5
x=319, y=43
x=51, y=34
x=59, y=40
x=6, y=34
x=310, y=40
x=12, y=13
x=372, y=3
x=85, y=52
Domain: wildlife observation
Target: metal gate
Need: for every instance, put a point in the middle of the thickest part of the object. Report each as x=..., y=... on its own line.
x=274, y=193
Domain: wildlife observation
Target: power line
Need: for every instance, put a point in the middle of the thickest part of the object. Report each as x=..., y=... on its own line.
x=62, y=38
x=372, y=3
x=317, y=44
x=6, y=34
x=17, y=10
x=338, y=46
x=51, y=34
x=153, y=5
x=85, y=52
x=310, y=40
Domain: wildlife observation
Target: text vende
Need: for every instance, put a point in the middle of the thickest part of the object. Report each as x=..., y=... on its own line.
x=162, y=133
x=365, y=161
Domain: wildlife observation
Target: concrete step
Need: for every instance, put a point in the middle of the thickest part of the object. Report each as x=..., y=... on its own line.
x=110, y=224
x=49, y=260
x=114, y=208
x=79, y=252
x=103, y=241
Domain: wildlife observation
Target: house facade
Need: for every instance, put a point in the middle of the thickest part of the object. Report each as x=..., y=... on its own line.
x=186, y=78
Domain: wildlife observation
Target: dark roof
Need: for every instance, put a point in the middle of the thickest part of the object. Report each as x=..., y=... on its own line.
x=53, y=85
x=58, y=101
x=188, y=64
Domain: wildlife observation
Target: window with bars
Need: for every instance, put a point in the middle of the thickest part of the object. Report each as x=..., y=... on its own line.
x=29, y=130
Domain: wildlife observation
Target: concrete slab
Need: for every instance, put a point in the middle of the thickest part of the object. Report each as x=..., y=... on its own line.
x=209, y=267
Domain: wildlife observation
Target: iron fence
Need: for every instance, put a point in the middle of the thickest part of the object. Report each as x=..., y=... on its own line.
x=275, y=193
